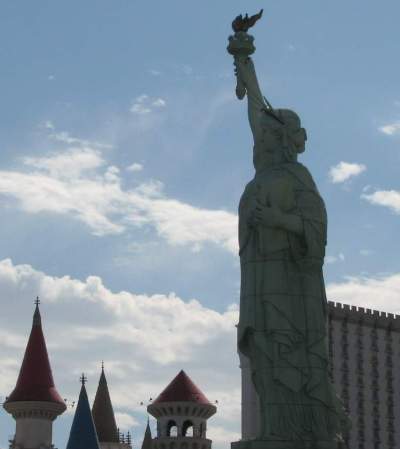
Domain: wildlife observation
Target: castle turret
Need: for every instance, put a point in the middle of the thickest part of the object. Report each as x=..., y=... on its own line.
x=34, y=403
x=104, y=419
x=182, y=411
x=83, y=432
x=148, y=439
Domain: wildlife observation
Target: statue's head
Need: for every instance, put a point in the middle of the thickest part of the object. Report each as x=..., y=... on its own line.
x=282, y=140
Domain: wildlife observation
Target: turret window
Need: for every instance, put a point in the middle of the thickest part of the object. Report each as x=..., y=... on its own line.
x=187, y=429
x=172, y=429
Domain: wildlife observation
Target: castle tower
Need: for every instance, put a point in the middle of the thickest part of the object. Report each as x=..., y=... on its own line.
x=182, y=412
x=148, y=439
x=83, y=432
x=104, y=419
x=34, y=402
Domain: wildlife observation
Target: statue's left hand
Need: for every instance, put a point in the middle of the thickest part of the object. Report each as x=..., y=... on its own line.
x=273, y=217
x=268, y=216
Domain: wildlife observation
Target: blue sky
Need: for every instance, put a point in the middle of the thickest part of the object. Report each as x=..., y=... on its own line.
x=123, y=156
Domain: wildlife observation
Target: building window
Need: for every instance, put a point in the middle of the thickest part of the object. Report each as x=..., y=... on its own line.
x=187, y=429
x=172, y=429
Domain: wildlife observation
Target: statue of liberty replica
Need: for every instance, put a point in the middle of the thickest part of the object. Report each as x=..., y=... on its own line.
x=282, y=332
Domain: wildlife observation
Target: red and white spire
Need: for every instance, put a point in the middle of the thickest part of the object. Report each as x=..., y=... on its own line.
x=182, y=389
x=182, y=411
x=35, y=403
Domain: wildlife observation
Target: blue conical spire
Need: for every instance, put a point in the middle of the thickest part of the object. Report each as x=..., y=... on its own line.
x=83, y=432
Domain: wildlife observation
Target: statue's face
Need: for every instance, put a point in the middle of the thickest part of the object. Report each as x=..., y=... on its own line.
x=279, y=142
x=273, y=138
x=299, y=137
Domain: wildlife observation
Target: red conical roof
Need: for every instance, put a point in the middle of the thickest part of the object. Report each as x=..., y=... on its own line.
x=35, y=381
x=182, y=389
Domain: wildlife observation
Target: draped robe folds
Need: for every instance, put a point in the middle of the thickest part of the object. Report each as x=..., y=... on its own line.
x=282, y=326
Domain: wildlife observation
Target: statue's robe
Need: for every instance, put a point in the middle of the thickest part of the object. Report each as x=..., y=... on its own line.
x=283, y=307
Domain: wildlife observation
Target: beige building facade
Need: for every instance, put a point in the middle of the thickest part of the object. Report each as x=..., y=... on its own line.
x=364, y=348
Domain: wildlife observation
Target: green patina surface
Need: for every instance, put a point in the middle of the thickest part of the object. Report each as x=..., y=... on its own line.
x=283, y=307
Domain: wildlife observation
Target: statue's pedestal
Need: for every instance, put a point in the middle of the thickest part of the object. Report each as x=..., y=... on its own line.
x=250, y=402
x=262, y=444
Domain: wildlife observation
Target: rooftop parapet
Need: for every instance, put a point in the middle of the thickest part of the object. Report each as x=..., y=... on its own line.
x=369, y=317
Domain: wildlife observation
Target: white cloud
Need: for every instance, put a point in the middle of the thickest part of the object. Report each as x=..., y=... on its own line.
x=65, y=137
x=48, y=124
x=344, y=171
x=144, y=104
x=391, y=129
x=159, y=103
x=221, y=437
x=125, y=421
x=379, y=292
x=366, y=252
x=69, y=164
x=144, y=340
x=154, y=72
x=181, y=223
x=386, y=198
x=139, y=106
x=187, y=69
x=135, y=167
x=11, y=340
x=79, y=184
x=333, y=259
x=87, y=200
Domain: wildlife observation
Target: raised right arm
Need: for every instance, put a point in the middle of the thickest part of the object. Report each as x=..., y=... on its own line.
x=247, y=83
